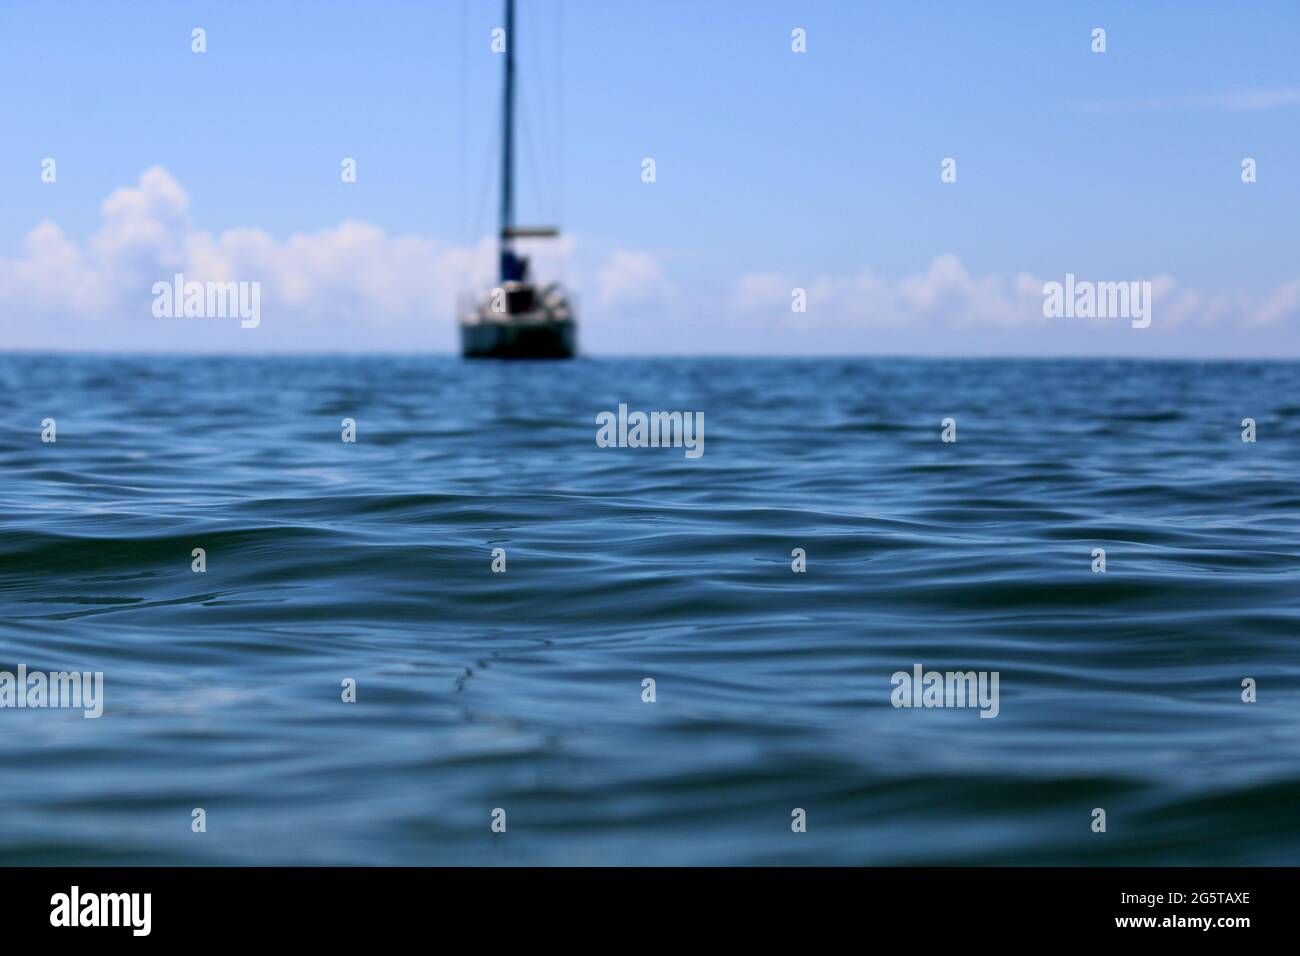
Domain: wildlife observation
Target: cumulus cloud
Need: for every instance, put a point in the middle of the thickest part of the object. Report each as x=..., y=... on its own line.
x=945, y=304
x=355, y=287
x=945, y=293
x=50, y=274
x=348, y=286
x=631, y=279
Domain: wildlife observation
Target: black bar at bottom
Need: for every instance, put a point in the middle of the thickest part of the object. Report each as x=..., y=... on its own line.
x=337, y=905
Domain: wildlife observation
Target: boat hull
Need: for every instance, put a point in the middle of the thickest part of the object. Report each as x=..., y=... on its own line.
x=551, y=339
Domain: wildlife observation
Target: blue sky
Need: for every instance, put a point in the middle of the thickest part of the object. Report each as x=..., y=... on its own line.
x=775, y=170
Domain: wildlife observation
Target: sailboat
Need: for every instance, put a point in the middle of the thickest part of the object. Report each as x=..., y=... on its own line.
x=518, y=319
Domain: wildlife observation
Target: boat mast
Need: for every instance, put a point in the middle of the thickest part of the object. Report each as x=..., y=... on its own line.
x=510, y=266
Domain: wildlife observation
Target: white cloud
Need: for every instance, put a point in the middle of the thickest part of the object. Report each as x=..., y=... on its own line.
x=758, y=292
x=631, y=279
x=1238, y=101
x=354, y=287
x=1282, y=306
x=51, y=274
x=944, y=294
x=349, y=286
x=945, y=303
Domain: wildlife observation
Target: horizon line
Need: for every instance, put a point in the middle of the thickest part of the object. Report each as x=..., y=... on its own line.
x=810, y=356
